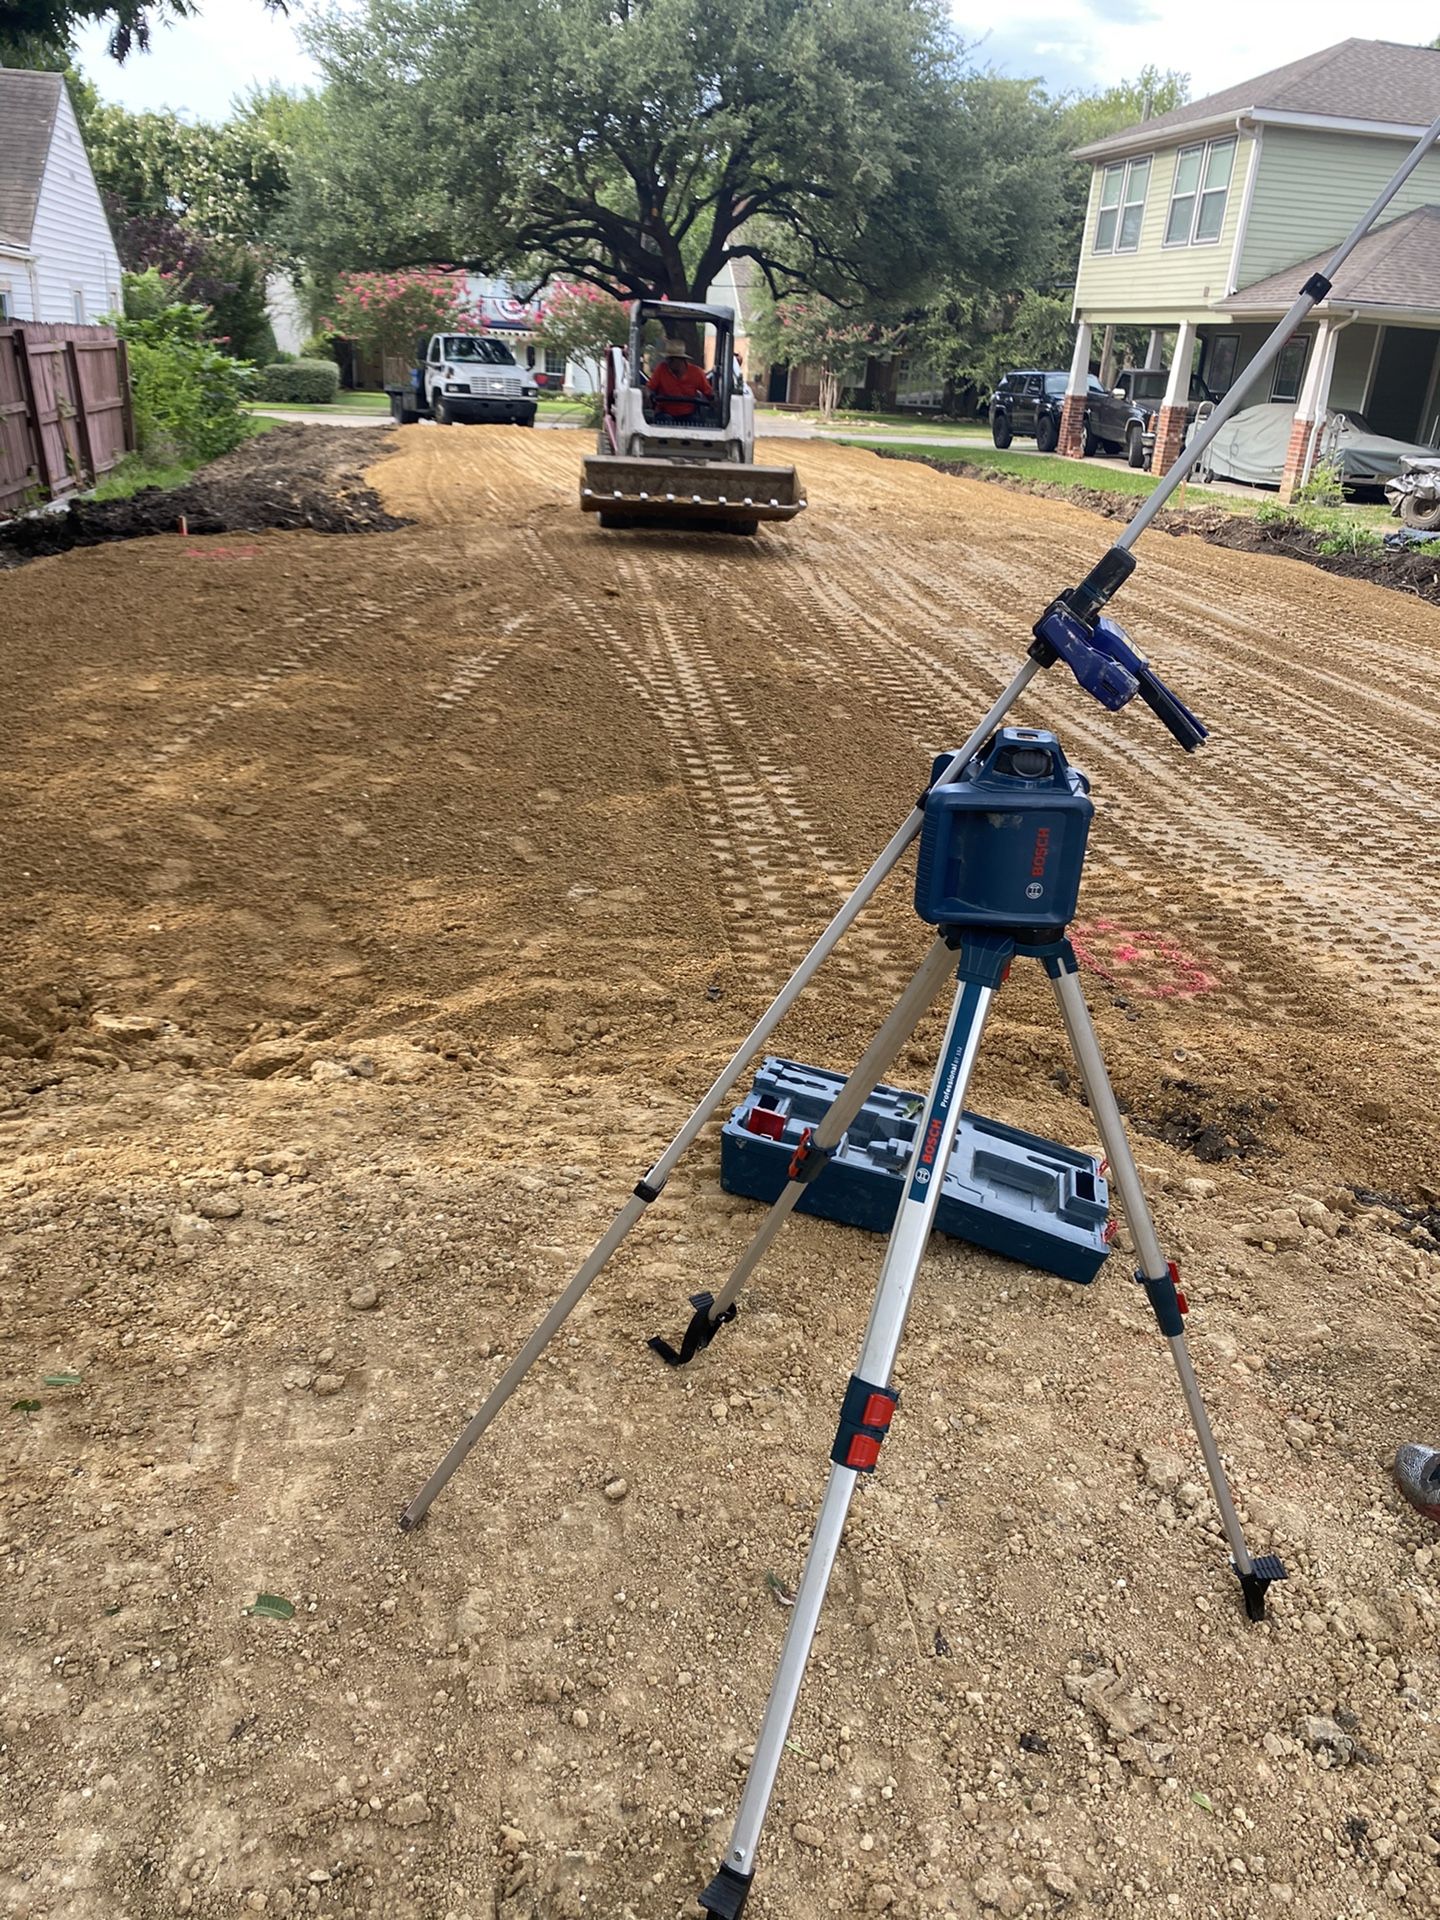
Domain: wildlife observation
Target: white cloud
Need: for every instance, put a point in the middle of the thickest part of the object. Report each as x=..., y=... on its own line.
x=1096, y=44
x=197, y=66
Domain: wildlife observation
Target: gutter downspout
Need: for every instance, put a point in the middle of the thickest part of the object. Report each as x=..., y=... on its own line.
x=1244, y=124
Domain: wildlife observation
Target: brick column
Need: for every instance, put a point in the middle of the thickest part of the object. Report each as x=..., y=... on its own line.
x=1170, y=425
x=1072, y=427
x=1072, y=412
x=1310, y=412
x=1294, y=469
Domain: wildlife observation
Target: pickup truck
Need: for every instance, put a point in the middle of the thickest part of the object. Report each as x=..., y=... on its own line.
x=465, y=376
x=1124, y=417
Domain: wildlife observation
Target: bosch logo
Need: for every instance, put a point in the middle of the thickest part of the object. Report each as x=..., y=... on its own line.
x=1034, y=890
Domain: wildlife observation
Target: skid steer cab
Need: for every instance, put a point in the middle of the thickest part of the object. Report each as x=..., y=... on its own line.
x=677, y=436
x=464, y=377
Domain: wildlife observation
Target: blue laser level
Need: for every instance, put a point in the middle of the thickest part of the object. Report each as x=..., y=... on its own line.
x=1003, y=846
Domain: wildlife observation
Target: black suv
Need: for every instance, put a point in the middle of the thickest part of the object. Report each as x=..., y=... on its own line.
x=1124, y=416
x=1030, y=402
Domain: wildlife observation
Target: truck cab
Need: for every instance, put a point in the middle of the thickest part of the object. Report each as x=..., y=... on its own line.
x=465, y=377
x=1123, y=419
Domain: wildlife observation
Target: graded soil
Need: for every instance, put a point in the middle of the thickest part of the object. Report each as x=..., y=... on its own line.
x=374, y=910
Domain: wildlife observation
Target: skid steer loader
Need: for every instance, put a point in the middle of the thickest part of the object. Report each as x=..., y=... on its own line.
x=656, y=469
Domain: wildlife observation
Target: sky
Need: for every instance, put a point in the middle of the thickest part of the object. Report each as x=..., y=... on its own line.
x=197, y=66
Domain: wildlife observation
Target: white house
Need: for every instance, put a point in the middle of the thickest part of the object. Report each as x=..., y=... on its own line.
x=57, y=259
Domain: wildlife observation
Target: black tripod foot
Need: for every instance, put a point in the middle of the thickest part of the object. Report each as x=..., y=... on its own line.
x=698, y=1335
x=727, y=1893
x=1263, y=1573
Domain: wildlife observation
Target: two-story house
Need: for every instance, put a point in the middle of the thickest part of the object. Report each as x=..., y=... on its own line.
x=1203, y=224
x=57, y=257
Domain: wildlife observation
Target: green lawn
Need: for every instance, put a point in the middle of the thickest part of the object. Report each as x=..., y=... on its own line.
x=1123, y=480
x=842, y=417
x=1028, y=466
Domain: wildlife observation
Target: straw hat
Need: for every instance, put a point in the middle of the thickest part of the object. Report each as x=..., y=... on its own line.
x=673, y=349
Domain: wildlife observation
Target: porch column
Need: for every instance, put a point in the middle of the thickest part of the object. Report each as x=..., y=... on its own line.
x=1106, y=375
x=1172, y=420
x=1311, y=410
x=1072, y=412
x=1154, y=347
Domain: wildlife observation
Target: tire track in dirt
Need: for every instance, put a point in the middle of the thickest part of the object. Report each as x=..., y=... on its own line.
x=1151, y=835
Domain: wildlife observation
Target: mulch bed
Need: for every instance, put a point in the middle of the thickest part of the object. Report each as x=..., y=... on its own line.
x=291, y=477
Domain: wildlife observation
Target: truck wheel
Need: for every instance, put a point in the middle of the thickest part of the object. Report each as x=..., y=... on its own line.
x=1000, y=431
x=1090, y=446
x=1424, y=518
x=440, y=413
x=1135, y=447
x=1047, y=433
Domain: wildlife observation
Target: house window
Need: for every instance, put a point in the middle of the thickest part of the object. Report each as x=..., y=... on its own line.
x=1289, y=370
x=554, y=362
x=1197, y=200
x=4, y=303
x=77, y=306
x=1122, y=206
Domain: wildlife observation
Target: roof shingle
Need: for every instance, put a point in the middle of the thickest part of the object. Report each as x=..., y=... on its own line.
x=1398, y=265
x=28, y=105
x=1374, y=80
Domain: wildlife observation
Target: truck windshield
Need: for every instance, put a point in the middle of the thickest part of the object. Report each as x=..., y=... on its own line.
x=468, y=346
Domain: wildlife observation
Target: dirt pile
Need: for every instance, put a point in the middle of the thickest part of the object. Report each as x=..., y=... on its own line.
x=292, y=476
x=371, y=914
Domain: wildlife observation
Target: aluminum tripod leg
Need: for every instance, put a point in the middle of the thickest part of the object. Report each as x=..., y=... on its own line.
x=1155, y=1273
x=866, y=1411
x=900, y=1023
x=648, y=1189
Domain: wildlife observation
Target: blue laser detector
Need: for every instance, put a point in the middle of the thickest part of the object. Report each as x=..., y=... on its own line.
x=1003, y=846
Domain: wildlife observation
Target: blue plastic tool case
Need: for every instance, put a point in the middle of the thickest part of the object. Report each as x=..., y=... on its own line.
x=1005, y=1190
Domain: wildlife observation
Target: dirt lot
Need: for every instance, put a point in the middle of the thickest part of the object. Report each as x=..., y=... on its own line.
x=374, y=908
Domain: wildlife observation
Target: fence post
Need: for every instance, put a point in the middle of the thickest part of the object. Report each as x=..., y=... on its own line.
x=127, y=403
x=82, y=418
x=37, y=432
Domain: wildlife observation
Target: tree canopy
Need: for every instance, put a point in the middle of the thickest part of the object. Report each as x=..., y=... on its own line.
x=641, y=144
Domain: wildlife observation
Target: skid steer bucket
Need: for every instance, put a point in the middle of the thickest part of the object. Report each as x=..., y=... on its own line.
x=684, y=493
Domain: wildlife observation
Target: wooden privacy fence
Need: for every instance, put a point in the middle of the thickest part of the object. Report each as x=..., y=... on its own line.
x=65, y=413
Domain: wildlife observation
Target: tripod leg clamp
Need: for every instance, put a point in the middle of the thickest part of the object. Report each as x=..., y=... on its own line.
x=865, y=1416
x=697, y=1336
x=726, y=1894
x=808, y=1161
x=1263, y=1573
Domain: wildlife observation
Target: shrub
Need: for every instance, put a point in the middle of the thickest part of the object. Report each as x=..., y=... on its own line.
x=306, y=383
x=188, y=396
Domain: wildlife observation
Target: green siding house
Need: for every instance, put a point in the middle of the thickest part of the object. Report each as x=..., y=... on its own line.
x=1203, y=223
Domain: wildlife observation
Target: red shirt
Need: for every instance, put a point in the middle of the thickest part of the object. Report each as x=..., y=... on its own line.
x=676, y=393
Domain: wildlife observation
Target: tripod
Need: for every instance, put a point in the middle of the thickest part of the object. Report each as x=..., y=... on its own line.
x=1105, y=666
x=870, y=1401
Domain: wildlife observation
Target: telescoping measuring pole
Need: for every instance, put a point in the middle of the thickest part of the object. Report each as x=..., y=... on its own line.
x=1106, y=667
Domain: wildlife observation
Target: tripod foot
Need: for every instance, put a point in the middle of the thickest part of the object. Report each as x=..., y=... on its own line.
x=697, y=1336
x=1263, y=1572
x=726, y=1894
